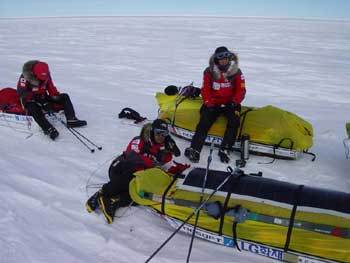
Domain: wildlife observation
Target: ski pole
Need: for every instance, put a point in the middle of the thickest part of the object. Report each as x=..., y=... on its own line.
x=87, y=139
x=200, y=200
x=75, y=134
x=232, y=172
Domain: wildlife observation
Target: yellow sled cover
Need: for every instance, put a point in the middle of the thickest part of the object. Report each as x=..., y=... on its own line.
x=268, y=125
x=317, y=232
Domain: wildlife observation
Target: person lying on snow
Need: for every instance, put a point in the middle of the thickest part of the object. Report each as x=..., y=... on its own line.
x=38, y=93
x=153, y=148
x=222, y=92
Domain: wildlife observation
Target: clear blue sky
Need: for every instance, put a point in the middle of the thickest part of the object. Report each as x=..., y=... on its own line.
x=270, y=8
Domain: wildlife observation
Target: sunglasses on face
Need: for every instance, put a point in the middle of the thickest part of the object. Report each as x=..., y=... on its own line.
x=160, y=132
x=223, y=55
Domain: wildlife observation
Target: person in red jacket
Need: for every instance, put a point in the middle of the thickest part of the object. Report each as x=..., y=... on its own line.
x=154, y=147
x=222, y=92
x=38, y=93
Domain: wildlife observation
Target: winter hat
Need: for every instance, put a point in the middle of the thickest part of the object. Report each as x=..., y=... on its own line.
x=159, y=124
x=41, y=71
x=222, y=52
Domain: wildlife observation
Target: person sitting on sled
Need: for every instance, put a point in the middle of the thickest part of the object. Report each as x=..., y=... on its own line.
x=222, y=92
x=38, y=93
x=154, y=147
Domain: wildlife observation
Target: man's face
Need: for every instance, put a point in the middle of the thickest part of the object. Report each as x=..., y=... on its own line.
x=223, y=62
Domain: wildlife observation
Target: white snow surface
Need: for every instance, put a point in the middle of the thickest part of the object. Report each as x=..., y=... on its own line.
x=108, y=63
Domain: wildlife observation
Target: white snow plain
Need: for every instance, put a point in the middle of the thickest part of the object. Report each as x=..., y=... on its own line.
x=108, y=63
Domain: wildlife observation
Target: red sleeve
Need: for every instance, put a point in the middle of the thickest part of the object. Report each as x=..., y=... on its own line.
x=51, y=88
x=239, y=86
x=167, y=158
x=136, y=145
x=206, y=88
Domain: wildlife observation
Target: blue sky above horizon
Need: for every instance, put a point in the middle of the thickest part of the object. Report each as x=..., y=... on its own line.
x=337, y=9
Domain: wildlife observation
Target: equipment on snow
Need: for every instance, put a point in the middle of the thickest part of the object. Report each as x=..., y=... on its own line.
x=80, y=137
x=192, y=214
x=273, y=131
x=297, y=220
x=131, y=114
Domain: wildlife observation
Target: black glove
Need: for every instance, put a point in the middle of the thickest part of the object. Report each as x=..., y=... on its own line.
x=233, y=107
x=171, y=146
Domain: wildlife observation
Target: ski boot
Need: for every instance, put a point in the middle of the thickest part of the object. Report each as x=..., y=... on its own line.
x=74, y=123
x=92, y=203
x=192, y=154
x=224, y=155
x=52, y=133
x=108, y=206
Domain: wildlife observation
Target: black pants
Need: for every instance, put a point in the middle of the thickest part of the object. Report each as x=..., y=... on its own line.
x=35, y=108
x=120, y=174
x=207, y=118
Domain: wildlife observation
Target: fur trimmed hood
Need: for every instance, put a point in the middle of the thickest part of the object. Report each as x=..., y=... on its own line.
x=27, y=72
x=231, y=71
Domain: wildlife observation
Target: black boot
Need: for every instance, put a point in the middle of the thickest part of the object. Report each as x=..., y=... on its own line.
x=192, y=154
x=108, y=206
x=224, y=155
x=52, y=133
x=92, y=203
x=74, y=123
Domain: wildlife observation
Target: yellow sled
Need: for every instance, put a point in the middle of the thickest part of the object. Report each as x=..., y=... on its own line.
x=272, y=131
x=283, y=221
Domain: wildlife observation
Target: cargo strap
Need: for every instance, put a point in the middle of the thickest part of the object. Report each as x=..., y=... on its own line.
x=179, y=99
x=243, y=116
x=292, y=216
x=235, y=182
x=175, y=176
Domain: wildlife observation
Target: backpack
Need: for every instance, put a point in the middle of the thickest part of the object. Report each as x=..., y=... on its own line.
x=10, y=102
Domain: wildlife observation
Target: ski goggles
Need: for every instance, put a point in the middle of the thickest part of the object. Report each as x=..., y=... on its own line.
x=160, y=132
x=222, y=55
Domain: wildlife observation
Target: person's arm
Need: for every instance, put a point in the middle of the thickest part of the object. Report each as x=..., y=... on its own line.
x=23, y=90
x=51, y=88
x=239, y=86
x=206, y=90
x=142, y=150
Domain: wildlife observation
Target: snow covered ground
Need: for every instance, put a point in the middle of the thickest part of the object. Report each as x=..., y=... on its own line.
x=108, y=63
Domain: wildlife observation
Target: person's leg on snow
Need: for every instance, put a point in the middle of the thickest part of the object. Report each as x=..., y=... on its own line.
x=35, y=110
x=233, y=122
x=207, y=118
x=115, y=193
x=72, y=120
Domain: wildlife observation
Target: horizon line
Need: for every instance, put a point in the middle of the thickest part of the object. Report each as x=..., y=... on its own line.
x=182, y=16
